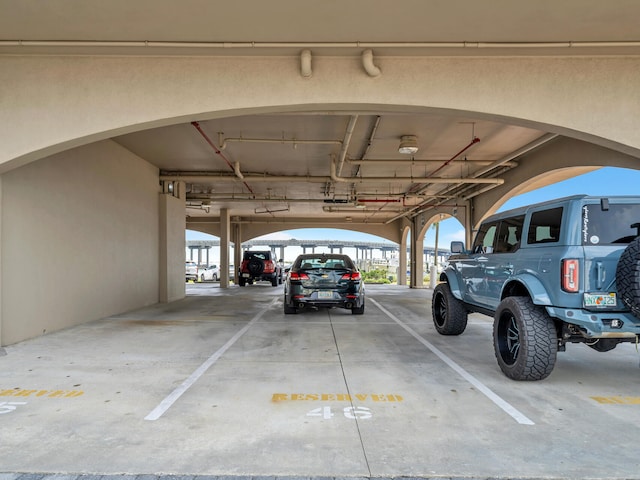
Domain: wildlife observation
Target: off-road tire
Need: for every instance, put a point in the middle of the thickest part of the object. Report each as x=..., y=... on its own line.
x=628, y=277
x=358, y=310
x=274, y=281
x=242, y=282
x=449, y=313
x=525, y=339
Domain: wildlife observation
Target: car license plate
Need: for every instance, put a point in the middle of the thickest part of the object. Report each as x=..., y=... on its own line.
x=246, y=275
x=324, y=295
x=600, y=300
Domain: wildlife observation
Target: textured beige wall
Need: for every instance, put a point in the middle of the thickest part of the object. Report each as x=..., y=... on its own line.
x=79, y=239
x=595, y=99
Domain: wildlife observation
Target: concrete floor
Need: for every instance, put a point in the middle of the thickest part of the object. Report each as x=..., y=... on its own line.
x=223, y=383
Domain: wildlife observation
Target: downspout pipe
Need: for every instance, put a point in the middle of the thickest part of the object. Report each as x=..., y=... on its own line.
x=369, y=67
x=305, y=64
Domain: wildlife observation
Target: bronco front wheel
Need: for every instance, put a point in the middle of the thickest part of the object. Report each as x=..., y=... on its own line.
x=449, y=313
x=524, y=339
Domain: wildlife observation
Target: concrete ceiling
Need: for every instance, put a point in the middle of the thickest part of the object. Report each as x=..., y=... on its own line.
x=269, y=165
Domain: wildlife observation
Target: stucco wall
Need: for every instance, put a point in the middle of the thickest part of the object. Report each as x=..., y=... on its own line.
x=594, y=99
x=79, y=239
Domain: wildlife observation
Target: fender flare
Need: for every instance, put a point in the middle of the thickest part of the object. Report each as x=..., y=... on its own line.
x=532, y=284
x=454, y=285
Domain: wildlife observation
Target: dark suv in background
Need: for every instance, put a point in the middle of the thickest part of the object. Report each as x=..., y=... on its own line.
x=260, y=265
x=564, y=271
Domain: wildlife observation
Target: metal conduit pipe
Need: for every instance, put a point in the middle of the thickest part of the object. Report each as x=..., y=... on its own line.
x=460, y=180
x=212, y=178
x=346, y=141
x=204, y=198
x=375, y=161
x=309, y=45
x=223, y=141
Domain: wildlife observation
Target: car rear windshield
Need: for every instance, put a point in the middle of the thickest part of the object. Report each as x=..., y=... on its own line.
x=604, y=224
x=335, y=263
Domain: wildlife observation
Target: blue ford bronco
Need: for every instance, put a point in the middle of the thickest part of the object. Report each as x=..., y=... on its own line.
x=563, y=271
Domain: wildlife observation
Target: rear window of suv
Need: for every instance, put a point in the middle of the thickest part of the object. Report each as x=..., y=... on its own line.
x=258, y=255
x=610, y=224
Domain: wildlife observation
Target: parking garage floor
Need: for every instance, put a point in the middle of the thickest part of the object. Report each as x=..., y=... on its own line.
x=222, y=383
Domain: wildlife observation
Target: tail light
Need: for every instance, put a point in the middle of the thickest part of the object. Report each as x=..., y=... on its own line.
x=570, y=275
x=298, y=276
x=351, y=276
x=268, y=266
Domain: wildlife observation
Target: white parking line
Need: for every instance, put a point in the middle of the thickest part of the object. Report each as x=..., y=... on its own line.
x=500, y=402
x=163, y=406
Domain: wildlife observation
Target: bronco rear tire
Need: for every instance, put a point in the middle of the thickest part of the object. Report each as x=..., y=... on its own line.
x=449, y=313
x=524, y=339
x=628, y=277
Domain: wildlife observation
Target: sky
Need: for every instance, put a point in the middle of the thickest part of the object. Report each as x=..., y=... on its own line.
x=605, y=181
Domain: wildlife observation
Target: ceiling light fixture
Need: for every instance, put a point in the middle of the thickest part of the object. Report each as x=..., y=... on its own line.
x=408, y=145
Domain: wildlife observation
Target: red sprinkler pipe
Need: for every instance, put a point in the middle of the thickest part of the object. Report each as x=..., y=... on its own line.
x=473, y=142
x=217, y=150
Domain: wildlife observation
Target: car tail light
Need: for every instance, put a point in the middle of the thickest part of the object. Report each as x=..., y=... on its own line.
x=570, y=275
x=351, y=276
x=298, y=276
x=268, y=266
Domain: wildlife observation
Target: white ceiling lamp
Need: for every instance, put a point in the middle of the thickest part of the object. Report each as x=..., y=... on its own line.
x=408, y=145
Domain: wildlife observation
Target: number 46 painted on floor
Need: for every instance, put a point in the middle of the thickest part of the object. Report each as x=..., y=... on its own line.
x=349, y=412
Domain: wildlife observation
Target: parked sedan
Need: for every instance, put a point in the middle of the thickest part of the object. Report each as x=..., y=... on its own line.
x=324, y=281
x=212, y=272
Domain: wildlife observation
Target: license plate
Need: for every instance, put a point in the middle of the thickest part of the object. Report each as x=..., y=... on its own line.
x=325, y=295
x=600, y=300
x=246, y=275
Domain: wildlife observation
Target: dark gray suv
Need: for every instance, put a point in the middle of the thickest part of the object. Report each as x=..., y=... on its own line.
x=564, y=271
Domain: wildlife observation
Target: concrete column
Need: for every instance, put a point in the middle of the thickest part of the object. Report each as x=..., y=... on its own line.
x=1, y=350
x=237, y=250
x=417, y=255
x=282, y=252
x=402, y=259
x=171, y=285
x=225, y=233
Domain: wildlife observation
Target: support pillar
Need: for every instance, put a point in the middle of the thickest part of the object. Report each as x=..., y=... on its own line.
x=237, y=251
x=225, y=234
x=402, y=259
x=172, y=223
x=1, y=350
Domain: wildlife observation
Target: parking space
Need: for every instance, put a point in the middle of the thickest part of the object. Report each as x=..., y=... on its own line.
x=223, y=383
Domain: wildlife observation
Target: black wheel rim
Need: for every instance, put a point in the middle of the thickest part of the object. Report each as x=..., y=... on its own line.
x=440, y=310
x=508, y=338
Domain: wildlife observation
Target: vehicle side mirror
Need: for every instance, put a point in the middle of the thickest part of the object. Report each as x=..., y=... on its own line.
x=457, y=247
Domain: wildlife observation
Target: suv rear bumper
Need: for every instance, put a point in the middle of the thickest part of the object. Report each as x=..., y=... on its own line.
x=598, y=324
